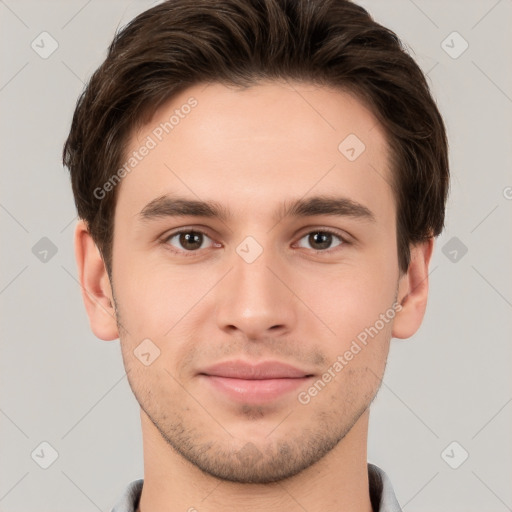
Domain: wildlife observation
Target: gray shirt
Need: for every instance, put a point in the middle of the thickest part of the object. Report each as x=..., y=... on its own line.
x=382, y=494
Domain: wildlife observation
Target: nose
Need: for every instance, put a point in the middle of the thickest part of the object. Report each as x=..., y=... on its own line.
x=255, y=298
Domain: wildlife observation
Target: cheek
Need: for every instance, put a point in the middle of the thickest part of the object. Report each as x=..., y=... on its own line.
x=155, y=296
x=350, y=299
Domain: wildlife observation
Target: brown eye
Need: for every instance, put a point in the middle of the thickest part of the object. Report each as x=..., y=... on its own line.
x=321, y=240
x=187, y=240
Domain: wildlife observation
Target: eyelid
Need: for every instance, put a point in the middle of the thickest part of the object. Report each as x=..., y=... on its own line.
x=342, y=235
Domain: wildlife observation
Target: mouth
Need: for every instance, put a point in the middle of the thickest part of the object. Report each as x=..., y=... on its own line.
x=260, y=383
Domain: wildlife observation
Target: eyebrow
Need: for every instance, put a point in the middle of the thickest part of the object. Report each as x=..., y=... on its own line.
x=171, y=206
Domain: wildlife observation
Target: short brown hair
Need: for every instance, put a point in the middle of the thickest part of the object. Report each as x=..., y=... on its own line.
x=179, y=43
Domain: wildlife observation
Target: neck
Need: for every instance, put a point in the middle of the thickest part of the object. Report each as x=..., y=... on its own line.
x=338, y=482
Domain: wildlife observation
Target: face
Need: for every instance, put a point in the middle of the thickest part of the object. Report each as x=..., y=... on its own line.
x=292, y=261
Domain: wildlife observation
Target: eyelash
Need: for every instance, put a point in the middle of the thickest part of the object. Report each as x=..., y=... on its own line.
x=185, y=253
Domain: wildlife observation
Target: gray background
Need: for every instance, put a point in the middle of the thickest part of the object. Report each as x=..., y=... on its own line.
x=61, y=385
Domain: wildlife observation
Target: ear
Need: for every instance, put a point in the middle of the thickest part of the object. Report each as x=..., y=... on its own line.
x=413, y=291
x=95, y=283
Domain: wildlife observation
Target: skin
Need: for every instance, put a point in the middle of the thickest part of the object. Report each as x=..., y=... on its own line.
x=251, y=149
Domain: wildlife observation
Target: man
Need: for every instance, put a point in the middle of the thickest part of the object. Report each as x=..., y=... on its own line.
x=259, y=184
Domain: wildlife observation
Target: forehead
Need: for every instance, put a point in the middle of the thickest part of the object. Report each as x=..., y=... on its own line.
x=257, y=145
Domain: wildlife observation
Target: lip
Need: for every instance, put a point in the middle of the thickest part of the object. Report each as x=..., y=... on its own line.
x=254, y=383
x=239, y=369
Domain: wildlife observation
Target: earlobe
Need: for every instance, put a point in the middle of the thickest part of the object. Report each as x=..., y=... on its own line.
x=95, y=284
x=413, y=291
